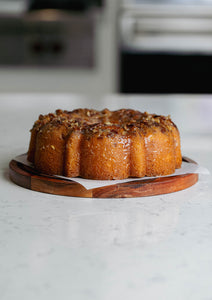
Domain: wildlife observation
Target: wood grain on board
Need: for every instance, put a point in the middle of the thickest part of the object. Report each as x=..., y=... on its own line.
x=27, y=177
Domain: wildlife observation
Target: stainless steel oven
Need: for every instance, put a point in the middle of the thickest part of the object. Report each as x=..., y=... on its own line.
x=56, y=33
x=165, y=47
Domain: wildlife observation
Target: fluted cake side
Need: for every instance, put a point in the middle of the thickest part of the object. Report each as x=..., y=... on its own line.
x=105, y=144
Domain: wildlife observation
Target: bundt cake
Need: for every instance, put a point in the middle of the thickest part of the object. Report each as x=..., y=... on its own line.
x=104, y=144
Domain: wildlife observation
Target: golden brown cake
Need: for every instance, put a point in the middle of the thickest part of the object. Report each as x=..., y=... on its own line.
x=105, y=144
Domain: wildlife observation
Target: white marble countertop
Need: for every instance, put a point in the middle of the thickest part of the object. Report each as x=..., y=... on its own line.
x=55, y=247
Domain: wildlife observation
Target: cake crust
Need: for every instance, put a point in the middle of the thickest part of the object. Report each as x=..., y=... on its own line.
x=105, y=144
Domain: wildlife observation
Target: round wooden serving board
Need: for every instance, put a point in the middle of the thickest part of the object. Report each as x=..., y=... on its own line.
x=27, y=177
